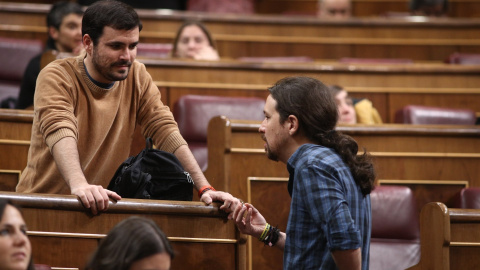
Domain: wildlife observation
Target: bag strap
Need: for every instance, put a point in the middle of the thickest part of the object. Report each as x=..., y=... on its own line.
x=149, y=143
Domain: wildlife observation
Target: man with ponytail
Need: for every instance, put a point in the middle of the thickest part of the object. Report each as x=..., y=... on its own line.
x=330, y=215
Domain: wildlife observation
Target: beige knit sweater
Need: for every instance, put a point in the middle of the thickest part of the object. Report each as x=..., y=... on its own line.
x=68, y=104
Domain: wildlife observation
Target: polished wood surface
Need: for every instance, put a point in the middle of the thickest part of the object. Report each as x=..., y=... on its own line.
x=64, y=234
x=449, y=238
x=268, y=35
x=435, y=161
x=362, y=8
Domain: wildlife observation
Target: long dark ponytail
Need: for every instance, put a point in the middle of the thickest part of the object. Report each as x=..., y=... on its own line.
x=315, y=108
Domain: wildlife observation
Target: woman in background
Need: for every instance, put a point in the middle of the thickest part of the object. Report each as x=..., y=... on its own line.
x=15, y=248
x=133, y=244
x=194, y=41
x=352, y=111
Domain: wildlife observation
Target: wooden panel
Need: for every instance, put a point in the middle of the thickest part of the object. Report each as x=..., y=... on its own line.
x=9, y=179
x=270, y=197
x=392, y=78
x=450, y=238
x=62, y=251
x=362, y=8
x=64, y=233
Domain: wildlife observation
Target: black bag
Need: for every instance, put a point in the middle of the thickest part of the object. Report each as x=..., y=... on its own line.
x=152, y=174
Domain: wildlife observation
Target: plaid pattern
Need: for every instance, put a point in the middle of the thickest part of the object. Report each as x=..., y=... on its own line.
x=328, y=210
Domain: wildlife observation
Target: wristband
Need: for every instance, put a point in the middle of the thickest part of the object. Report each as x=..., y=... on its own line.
x=204, y=189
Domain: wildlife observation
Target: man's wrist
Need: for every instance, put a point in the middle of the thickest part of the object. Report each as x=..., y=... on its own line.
x=204, y=189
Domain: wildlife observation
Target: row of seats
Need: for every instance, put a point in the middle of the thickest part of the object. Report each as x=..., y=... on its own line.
x=395, y=242
x=193, y=112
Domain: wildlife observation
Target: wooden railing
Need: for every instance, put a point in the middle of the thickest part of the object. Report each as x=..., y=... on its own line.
x=64, y=234
x=449, y=238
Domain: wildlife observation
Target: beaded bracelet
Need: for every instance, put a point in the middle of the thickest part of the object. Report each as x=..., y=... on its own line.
x=205, y=189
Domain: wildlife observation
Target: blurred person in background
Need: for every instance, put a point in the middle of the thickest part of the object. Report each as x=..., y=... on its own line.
x=194, y=41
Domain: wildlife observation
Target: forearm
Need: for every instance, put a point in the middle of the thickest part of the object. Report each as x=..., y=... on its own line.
x=189, y=163
x=65, y=154
x=350, y=259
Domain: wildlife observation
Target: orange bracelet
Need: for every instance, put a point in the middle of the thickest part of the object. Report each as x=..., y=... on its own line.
x=204, y=189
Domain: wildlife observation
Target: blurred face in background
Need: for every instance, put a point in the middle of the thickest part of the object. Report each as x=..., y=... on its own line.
x=68, y=38
x=191, y=42
x=15, y=248
x=346, y=111
x=335, y=9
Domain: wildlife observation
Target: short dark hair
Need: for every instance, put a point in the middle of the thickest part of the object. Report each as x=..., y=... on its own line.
x=3, y=205
x=314, y=106
x=130, y=240
x=204, y=29
x=57, y=12
x=115, y=14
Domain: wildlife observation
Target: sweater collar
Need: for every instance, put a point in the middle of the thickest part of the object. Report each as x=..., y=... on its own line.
x=89, y=81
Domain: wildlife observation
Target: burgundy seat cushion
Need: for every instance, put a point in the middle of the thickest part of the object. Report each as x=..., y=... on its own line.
x=424, y=115
x=388, y=61
x=395, y=236
x=155, y=50
x=193, y=113
x=463, y=59
x=468, y=198
x=15, y=55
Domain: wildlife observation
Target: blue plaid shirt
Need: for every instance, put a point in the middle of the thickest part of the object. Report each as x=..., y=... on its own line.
x=328, y=210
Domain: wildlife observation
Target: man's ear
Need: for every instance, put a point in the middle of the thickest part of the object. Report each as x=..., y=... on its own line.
x=87, y=43
x=53, y=33
x=293, y=124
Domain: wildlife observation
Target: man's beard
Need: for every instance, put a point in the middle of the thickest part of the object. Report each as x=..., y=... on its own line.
x=107, y=72
x=270, y=154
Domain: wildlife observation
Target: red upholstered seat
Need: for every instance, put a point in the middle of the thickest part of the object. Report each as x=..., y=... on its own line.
x=15, y=55
x=424, y=115
x=395, y=240
x=222, y=6
x=154, y=50
x=193, y=113
x=463, y=59
x=375, y=61
x=281, y=59
x=468, y=198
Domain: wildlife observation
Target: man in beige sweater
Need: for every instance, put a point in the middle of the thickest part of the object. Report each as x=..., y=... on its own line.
x=86, y=110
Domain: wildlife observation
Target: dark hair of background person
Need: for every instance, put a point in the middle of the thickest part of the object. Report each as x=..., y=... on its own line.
x=115, y=14
x=312, y=103
x=204, y=29
x=151, y=4
x=56, y=14
x=130, y=240
x=335, y=89
x=3, y=205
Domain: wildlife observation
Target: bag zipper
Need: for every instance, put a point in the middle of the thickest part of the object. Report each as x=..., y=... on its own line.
x=189, y=178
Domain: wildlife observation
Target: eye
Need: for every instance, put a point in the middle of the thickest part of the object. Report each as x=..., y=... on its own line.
x=4, y=232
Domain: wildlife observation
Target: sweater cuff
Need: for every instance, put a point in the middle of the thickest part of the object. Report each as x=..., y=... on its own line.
x=56, y=136
x=173, y=142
